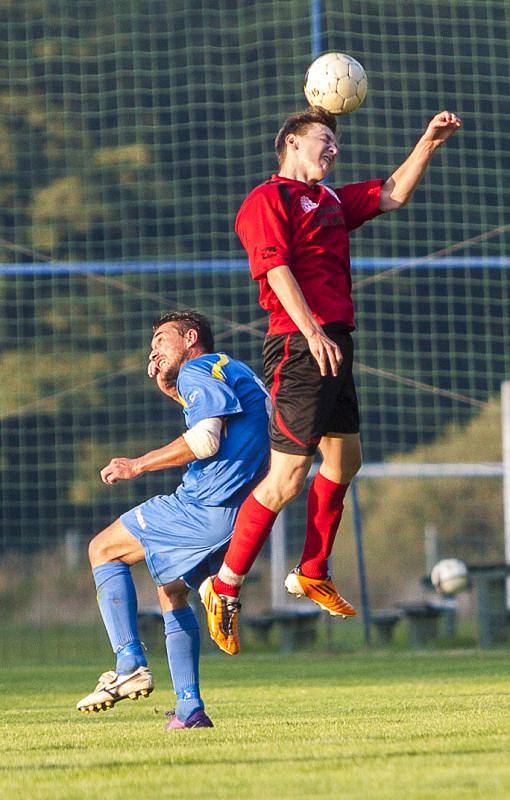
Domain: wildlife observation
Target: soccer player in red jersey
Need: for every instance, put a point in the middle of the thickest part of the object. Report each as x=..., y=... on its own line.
x=295, y=231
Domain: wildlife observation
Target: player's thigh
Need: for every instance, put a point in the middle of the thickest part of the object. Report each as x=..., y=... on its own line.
x=177, y=535
x=173, y=595
x=115, y=543
x=285, y=467
x=307, y=405
x=341, y=456
x=295, y=383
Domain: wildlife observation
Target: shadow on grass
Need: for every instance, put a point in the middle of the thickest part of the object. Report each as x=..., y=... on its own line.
x=129, y=763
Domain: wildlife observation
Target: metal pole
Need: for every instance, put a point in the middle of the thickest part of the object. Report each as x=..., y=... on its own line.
x=279, y=596
x=316, y=27
x=358, y=536
x=431, y=547
x=505, y=432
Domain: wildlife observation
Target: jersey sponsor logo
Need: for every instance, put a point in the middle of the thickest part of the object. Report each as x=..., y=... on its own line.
x=308, y=205
x=193, y=396
x=330, y=215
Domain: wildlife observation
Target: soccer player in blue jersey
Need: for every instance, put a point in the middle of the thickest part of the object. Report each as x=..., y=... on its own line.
x=182, y=536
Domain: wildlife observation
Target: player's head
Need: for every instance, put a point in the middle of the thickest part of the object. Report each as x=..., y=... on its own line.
x=177, y=337
x=188, y=320
x=307, y=139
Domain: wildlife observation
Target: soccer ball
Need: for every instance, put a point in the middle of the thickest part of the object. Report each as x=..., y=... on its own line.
x=449, y=576
x=336, y=82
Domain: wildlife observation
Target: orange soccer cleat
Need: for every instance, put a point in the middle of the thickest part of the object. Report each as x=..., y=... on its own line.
x=321, y=591
x=222, y=613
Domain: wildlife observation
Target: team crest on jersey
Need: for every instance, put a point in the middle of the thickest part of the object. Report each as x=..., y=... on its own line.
x=308, y=205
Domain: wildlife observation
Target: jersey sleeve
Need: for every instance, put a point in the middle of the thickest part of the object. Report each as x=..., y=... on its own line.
x=360, y=202
x=204, y=394
x=262, y=225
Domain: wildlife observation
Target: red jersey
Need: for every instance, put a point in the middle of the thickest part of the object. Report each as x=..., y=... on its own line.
x=287, y=222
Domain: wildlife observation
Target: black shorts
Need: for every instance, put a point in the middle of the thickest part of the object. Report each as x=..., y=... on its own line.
x=306, y=405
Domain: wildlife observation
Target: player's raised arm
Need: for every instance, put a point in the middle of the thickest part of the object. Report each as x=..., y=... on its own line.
x=399, y=187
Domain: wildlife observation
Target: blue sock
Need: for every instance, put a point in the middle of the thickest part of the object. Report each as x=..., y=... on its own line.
x=183, y=650
x=116, y=597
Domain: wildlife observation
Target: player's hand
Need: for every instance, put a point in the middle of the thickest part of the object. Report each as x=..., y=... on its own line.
x=441, y=127
x=152, y=369
x=120, y=469
x=326, y=352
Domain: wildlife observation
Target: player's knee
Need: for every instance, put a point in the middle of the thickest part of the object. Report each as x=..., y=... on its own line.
x=99, y=551
x=349, y=472
x=173, y=595
x=94, y=551
x=177, y=599
x=285, y=491
x=294, y=487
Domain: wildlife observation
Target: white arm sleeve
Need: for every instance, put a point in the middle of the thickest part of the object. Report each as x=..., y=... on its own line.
x=203, y=439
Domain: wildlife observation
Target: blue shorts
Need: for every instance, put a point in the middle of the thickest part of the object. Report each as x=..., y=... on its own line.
x=181, y=540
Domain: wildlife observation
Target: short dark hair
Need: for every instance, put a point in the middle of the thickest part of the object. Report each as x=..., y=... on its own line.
x=298, y=123
x=189, y=320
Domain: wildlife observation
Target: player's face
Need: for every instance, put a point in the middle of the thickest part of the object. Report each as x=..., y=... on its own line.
x=316, y=151
x=168, y=352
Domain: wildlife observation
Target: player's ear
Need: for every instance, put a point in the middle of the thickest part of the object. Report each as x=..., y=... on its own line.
x=191, y=337
x=291, y=139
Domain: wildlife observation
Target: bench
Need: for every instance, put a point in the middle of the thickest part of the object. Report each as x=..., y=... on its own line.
x=423, y=619
x=296, y=627
x=493, y=621
x=384, y=622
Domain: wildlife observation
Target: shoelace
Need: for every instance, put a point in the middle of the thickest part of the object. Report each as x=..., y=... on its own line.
x=229, y=609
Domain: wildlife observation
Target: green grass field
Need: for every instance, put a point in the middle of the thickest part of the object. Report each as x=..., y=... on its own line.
x=382, y=725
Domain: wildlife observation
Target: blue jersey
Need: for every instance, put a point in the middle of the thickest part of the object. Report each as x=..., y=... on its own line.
x=215, y=385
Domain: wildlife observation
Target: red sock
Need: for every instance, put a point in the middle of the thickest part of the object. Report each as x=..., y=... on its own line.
x=253, y=526
x=220, y=587
x=324, y=512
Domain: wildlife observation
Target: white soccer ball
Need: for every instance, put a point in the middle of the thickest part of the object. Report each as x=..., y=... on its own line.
x=449, y=576
x=336, y=82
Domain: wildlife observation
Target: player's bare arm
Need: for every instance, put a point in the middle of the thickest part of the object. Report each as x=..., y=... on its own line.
x=398, y=189
x=174, y=454
x=324, y=350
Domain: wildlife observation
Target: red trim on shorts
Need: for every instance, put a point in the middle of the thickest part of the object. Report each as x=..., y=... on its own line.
x=274, y=391
x=276, y=381
x=282, y=426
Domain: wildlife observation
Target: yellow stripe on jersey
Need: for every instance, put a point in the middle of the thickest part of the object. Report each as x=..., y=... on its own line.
x=181, y=400
x=216, y=368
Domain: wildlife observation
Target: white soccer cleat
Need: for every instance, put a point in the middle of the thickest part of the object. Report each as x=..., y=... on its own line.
x=112, y=688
